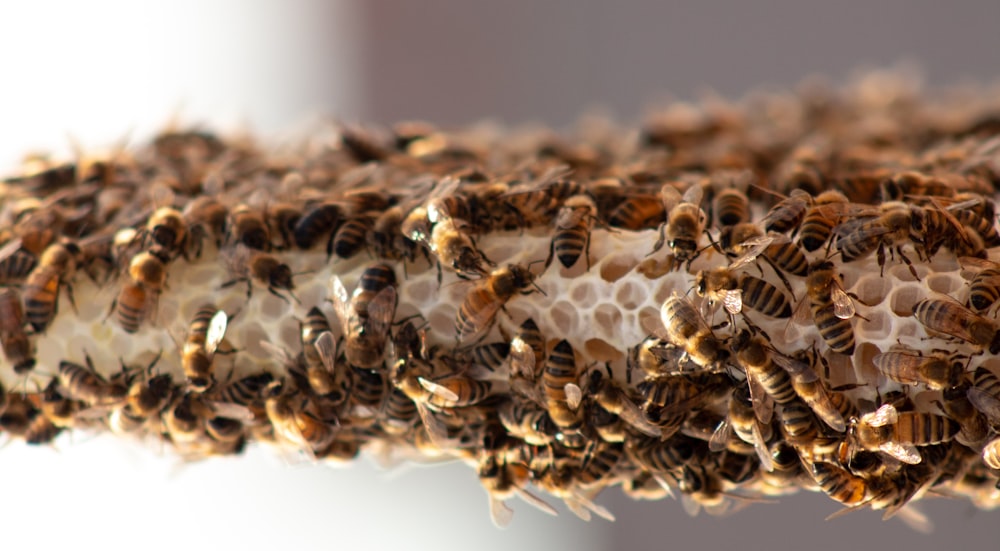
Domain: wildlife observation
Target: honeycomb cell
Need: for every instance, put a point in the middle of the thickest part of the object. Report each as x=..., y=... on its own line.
x=608, y=318
x=564, y=317
x=946, y=284
x=614, y=268
x=872, y=289
x=602, y=351
x=903, y=297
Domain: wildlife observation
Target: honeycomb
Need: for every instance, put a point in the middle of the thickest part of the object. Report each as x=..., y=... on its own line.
x=663, y=429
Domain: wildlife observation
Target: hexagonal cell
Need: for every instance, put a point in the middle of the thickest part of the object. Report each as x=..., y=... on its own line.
x=946, y=284
x=630, y=295
x=864, y=368
x=902, y=298
x=582, y=292
x=902, y=272
x=564, y=317
x=877, y=327
x=602, y=351
x=872, y=289
x=608, y=319
x=614, y=268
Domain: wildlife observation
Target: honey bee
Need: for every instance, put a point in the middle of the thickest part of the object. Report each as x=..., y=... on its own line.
x=679, y=394
x=478, y=311
x=984, y=287
x=55, y=269
x=574, y=223
x=205, y=334
x=599, y=464
x=831, y=306
x=819, y=221
x=936, y=371
x=734, y=291
x=502, y=480
x=84, y=384
x=562, y=393
x=319, y=350
x=686, y=328
x=205, y=217
x=955, y=404
x=985, y=394
x=899, y=433
x=685, y=223
x=730, y=205
x=294, y=424
x=407, y=375
x=139, y=295
x=317, y=221
x=366, y=315
x=810, y=388
x=526, y=420
x=948, y=317
x=748, y=244
x=352, y=235
x=282, y=219
x=535, y=203
x=488, y=358
x=248, y=227
x=15, y=262
x=742, y=420
x=386, y=240
x=660, y=456
x=249, y=265
x=838, y=483
x=527, y=351
x=786, y=215
x=167, y=231
x=860, y=236
x=145, y=400
x=16, y=345
x=615, y=399
x=798, y=424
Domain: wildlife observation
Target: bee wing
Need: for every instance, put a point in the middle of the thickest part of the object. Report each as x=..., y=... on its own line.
x=436, y=430
x=479, y=320
x=761, y=402
x=970, y=264
x=574, y=395
x=536, y=502
x=326, y=347
x=278, y=352
x=341, y=301
x=670, y=197
x=760, y=446
x=907, y=453
x=732, y=300
x=985, y=402
x=843, y=306
x=754, y=248
x=885, y=415
x=631, y=414
x=216, y=331
x=569, y=217
x=522, y=359
x=912, y=517
x=231, y=411
x=446, y=187
x=693, y=194
x=381, y=310
x=500, y=514
x=438, y=390
x=720, y=438
x=10, y=248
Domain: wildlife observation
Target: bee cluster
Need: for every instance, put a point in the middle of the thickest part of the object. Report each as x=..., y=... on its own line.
x=737, y=301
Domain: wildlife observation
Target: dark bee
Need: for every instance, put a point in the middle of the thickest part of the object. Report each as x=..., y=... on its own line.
x=84, y=384
x=573, y=226
x=318, y=221
x=951, y=318
x=937, y=371
x=787, y=214
x=365, y=316
x=41, y=290
x=15, y=263
x=478, y=311
x=818, y=223
x=351, y=236
x=832, y=307
x=16, y=345
x=249, y=265
x=248, y=227
x=205, y=334
x=734, y=291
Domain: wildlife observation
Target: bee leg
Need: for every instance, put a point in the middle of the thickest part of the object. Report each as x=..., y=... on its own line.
x=586, y=251
x=69, y=295
x=329, y=246
x=660, y=240
x=114, y=304
x=552, y=254
x=909, y=264
x=780, y=274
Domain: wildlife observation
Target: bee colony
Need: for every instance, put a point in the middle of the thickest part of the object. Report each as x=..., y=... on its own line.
x=730, y=303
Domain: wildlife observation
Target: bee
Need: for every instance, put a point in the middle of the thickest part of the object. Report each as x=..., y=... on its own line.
x=16, y=345
x=41, y=430
x=810, y=388
x=798, y=424
x=352, y=235
x=820, y=219
x=734, y=291
x=282, y=218
x=447, y=235
x=562, y=393
x=366, y=315
x=55, y=269
x=205, y=334
x=249, y=265
x=407, y=375
x=293, y=423
x=246, y=391
x=490, y=357
x=686, y=328
x=984, y=287
x=615, y=399
x=660, y=456
x=730, y=205
x=84, y=384
x=15, y=262
x=139, y=295
x=685, y=223
x=786, y=469
x=786, y=215
x=386, y=239
x=936, y=371
x=526, y=420
x=948, y=317
x=600, y=461
x=650, y=356
x=742, y=421
x=368, y=388
x=167, y=231
x=860, y=236
x=765, y=378
x=955, y=404
x=398, y=413
x=478, y=311
x=502, y=480
x=527, y=351
x=248, y=227
x=838, y=483
x=899, y=433
x=638, y=212
x=831, y=306
x=317, y=221
x=747, y=243
x=144, y=400
x=319, y=350
x=680, y=394
x=574, y=223
x=205, y=217
x=985, y=394
x=455, y=390
x=535, y=203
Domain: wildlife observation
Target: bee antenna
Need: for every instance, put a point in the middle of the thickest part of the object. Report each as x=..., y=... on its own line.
x=539, y=289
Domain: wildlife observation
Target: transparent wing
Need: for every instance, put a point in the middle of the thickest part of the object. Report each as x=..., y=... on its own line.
x=574, y=395
x=500, y=514
x=326, y=347
x=631, y=414
x=986, y=403
x=536, y=502
x=438, y=390
x=843, y=306
x=216, y=331
x=381, y=310
x=754, y=248
x=569, y=217
x=732, y=300
x=341, y=302
x=693, y=194
x=906, y=453
x=885, y=415
x=763, y=407
x=522, y=359
x=720, y=438
x=760, y=446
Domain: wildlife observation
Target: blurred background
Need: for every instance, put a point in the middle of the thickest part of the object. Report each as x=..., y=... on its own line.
x=109, y=71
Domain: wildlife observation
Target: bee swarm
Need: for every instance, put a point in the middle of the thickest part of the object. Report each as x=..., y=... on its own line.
x=732, y=302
